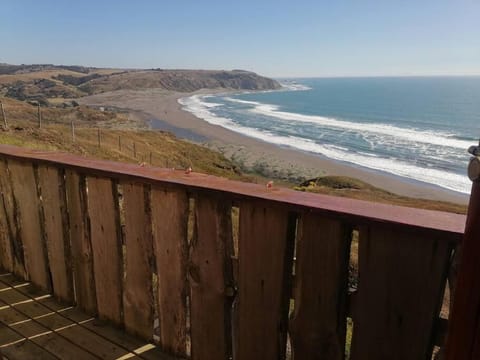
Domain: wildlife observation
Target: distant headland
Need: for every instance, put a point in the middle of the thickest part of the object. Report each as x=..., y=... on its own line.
x=41, y=82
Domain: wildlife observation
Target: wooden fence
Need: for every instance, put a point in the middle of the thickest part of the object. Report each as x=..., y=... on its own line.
x=158, y=252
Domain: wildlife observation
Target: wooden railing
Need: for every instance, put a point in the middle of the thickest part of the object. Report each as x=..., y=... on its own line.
x=210, y=268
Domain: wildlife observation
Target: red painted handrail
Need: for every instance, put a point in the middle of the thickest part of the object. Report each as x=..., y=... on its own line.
x=356, y=210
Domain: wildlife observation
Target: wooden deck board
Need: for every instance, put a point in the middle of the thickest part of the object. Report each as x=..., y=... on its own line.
x=33, y=325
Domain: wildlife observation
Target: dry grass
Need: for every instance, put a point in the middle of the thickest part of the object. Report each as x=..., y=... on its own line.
x=30, y=76
x=357, y=189
x=151, y=147
x=118, y=141
x=51, y=74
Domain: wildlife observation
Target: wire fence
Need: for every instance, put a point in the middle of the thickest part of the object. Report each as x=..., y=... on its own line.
x=106, y=139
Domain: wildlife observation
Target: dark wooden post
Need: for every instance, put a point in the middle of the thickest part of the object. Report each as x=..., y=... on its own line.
x=134, y=150
x=4, y=117
x=119, y=143
x=98, y=137
x=151, y=159
x=39, y=112
x=463, y=340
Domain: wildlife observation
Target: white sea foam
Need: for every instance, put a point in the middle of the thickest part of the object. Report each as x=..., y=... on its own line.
x=294, y=86
x=445, y=179
x=413, y=135
x=238, y=101
x=212, y=105
x=395, y=135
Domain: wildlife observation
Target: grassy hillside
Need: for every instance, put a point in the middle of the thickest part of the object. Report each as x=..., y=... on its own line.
x=117, y=141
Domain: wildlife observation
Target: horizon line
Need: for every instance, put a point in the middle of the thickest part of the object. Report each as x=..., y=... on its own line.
x=325, y=76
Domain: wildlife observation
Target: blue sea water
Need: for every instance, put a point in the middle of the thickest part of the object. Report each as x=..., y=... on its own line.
x=415, y=127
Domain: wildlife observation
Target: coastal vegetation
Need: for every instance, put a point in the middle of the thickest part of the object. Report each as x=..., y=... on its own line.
x=110, y=136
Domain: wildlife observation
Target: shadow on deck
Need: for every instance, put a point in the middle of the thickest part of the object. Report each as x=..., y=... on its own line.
x=33, y=325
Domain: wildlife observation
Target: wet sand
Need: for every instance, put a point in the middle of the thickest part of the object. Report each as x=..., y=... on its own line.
x=161, y=109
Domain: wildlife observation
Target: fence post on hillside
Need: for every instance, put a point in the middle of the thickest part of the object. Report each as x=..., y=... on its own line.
x=39, y=114
x=4, y=117
x=119, y=143
x=151, y=163
x=72, y=126
x=134, y=150
x=98, y=137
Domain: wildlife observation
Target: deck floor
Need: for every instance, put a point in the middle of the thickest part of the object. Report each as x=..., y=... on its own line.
x=35, y=326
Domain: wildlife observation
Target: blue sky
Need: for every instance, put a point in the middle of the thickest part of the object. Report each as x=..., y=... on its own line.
x=276, y=38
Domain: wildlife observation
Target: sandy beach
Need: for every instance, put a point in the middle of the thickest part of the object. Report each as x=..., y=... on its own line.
x=162, y=110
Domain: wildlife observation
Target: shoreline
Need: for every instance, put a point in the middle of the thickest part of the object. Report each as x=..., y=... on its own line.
x=160, y=108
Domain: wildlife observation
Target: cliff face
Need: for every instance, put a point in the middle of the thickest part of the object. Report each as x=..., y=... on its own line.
x=43, y=82
x=180, y=80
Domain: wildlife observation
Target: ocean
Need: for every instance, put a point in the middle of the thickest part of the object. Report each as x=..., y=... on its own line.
x=418, y=128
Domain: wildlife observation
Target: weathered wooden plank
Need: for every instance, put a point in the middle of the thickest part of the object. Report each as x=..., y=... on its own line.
x=81, y=248
x=263, y=263
x=12, y=254
x=210, y=274
x=138, y=292
x=6, y=220
x=21, y=350
x=62, y=348
x=401, y=281
x=6, y=251
x=91, y=334
x=76, y=338
x=7, y=335
x=119, y=337
x=318, y=323
x=30, y=229
x=169, y=218
x=41, y=335
x=52, y=190
x=106, y=247
x=52, y=316
x=11, y=296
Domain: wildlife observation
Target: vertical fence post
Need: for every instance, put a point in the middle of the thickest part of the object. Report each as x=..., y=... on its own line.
x=119, y=143
x=72, y=126
x=463, y=340
x=98, y=137
x=151, y=163
x=134, y=150
x=4, y=117
x=39, y=114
